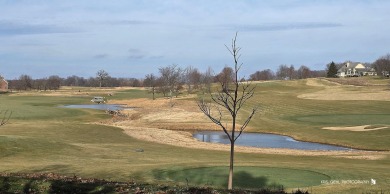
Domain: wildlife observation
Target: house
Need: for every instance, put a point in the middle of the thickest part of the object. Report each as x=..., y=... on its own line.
x=386, y=73
x=371, y=72
x=355, y=69
x=3, y=84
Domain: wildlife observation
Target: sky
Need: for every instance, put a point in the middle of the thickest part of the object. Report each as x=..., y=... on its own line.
x=132, y=38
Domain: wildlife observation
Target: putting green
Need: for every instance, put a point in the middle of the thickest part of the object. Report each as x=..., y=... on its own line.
x=244, y=177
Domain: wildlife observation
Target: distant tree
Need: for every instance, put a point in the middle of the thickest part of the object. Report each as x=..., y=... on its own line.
x=332, y=70
x=206, y=80
x=192, y=78
x=74, y=81
x=232, y=99
x=25, y=82
x=291, y=72
x=283, y=72
x=111, y=82
x=40, y=84
x=135, y=82
x=54, y=82
x=170, y=77
x=304, y=72
x=151, y=82
x=262, y=75
x=92, y=82
x=101, y=75
x=382, y=65
x=318, y=73
x=226, y=77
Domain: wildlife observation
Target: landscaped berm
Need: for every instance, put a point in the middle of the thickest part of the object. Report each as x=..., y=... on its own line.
x=150, y=148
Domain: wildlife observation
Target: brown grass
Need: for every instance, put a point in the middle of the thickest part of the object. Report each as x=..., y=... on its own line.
x=342, y=92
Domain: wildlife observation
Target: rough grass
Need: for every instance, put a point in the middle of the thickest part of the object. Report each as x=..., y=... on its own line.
x=42, y=137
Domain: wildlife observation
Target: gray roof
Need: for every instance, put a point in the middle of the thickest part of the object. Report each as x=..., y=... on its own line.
x=350, y=65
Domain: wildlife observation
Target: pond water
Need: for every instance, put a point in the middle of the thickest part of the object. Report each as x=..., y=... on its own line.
x=98, y=106
x=262, y=140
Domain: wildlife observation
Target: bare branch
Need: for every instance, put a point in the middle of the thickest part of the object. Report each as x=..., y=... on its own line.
x=6, y=116
x=254, y=110
x=206, y=109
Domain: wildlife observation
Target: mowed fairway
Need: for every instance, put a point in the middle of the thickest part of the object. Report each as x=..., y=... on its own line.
x=43, y=137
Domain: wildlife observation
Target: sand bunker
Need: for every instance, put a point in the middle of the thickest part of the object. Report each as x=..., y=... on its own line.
x=356, y=128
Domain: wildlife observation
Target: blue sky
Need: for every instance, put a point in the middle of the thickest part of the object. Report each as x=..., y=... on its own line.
x=130, y=38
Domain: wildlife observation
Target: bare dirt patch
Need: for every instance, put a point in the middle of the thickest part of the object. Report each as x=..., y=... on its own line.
x=356, y=128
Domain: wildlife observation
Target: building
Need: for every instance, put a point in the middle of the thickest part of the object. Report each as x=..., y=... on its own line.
x=3, y=84
x=354, y=69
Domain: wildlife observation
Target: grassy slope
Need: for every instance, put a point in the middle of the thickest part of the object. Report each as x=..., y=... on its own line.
x=282, y=112
x=44, y=138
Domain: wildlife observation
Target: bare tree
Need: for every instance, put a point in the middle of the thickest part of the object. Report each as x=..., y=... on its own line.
x=25, y=82
x=192, y=77
x=304, y=72
x=54, y=82
x=232, y=99
x=101, y=76
x=170, y=77
x=226, y=76
x=206, y=80
x=262, y=75
x=382, y=66
x=151, y=81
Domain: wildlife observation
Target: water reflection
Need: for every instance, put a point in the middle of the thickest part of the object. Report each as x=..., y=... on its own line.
x=264, y=141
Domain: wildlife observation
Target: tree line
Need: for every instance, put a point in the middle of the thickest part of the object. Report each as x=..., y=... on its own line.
x=172, y=79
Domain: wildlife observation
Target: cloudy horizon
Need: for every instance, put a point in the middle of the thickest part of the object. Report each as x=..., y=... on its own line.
x=133, y=38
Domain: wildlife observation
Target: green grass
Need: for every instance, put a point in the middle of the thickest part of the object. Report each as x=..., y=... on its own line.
x=245, y=177
x=43, y=137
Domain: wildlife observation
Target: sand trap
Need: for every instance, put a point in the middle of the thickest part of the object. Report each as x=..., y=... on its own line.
x=355, y=128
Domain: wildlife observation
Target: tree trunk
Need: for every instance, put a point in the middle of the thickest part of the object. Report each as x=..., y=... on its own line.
x=230, y=183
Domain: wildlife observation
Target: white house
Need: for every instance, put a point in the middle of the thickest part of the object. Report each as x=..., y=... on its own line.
x=354, y=69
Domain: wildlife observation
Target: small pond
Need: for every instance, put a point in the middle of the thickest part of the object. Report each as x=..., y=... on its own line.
x=98, y=106
x=262, y=140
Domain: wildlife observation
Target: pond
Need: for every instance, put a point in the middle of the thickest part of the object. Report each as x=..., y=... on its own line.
x=98, y=106
x=262, y=140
